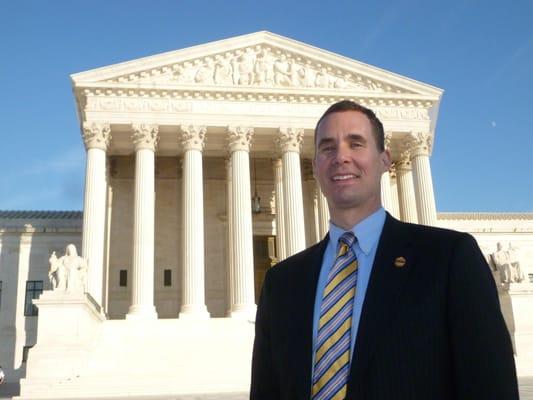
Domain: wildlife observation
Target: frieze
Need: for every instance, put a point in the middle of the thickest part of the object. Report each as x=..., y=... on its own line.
x=261, y=103
x=259, y=66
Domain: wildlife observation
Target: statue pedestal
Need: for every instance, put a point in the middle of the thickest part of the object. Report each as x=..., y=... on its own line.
x=69, y=325
x=517, y=302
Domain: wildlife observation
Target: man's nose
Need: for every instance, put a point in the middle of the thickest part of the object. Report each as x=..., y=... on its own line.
x=342, y=155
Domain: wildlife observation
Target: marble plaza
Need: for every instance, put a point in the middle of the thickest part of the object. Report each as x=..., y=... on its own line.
x=198, y=179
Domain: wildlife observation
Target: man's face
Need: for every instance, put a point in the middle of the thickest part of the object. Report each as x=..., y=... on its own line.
x=348, y=164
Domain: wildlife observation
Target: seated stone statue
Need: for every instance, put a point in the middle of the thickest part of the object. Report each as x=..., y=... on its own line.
x=501, y=261
x=69, y=272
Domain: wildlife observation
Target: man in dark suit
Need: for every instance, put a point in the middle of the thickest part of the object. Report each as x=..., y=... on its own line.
x=379, y=309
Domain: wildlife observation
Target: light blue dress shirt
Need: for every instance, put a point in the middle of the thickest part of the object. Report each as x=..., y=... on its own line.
x=367, y=233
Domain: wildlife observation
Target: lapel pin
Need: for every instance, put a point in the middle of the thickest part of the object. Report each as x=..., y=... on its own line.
x=399, y=262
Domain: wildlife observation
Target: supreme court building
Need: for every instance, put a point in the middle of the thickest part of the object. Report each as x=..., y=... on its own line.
x=198, y=180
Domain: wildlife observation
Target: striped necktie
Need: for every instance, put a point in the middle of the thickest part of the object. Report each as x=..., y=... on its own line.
x=332, y=357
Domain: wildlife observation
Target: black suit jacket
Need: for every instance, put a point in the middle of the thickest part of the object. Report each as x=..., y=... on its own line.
x=429, y=330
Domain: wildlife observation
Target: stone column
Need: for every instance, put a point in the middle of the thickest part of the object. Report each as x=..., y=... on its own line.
x=229, y=214
x=323, y=212
x=280, y=210
x=145, y=139
x=394, y=192
x=406, y=191
x=193, y=298
x=96, y=137
x=242, y=286
x=386, y=195
x=290, y=143
x=425, y=198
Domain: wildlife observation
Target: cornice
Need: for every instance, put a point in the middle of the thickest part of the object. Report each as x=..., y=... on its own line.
x=238, y=93
x=484, y=216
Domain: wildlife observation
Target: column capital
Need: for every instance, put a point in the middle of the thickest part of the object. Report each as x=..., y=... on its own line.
x=290, y=139
x=145, y=136
x=192, y=137
x=96, y=135
x=404, y=163
x=240, y=138
x=420, y=143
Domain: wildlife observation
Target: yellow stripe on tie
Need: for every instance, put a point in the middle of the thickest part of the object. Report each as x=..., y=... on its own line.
x=331, y=340
x=338, y=364
x=324, y=319
x=340, y=277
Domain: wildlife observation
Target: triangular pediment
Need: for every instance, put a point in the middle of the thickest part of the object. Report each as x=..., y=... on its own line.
x=261, y=60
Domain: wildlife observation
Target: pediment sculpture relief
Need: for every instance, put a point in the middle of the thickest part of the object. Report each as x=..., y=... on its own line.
x=69, y=272
x=259, y=66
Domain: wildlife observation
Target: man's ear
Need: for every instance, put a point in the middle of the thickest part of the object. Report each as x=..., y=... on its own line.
x=386, y=160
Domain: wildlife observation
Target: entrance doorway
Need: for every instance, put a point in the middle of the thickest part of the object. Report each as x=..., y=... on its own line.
x=264, y=258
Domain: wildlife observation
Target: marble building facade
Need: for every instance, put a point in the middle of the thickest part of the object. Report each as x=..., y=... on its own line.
x=199, y=179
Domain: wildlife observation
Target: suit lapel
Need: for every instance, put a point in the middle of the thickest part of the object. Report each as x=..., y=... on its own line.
x=304, y=283
x=386, y=281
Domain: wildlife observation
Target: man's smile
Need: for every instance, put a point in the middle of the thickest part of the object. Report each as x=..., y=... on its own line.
x=344, y=177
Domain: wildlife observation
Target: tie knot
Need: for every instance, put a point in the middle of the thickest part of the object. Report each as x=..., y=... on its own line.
x=346, y=241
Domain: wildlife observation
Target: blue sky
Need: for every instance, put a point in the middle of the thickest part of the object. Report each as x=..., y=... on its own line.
x=479, y=52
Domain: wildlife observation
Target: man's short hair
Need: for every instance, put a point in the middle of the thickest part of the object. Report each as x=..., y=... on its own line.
x=348, y=105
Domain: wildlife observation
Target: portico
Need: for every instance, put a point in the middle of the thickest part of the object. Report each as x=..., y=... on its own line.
x=177, y=144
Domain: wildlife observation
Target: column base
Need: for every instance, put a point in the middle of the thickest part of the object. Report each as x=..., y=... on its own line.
x=194, y=312
x=243, y=311
x=141, y=312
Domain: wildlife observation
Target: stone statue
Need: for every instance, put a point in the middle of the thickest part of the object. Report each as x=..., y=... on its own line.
x=223, y=72
x=263, y=69
x=516, y=273
x=322, y=79
x=57, y=274
x=205, y=73
x=501, y=260
x=243, y=68
x=69, y=272
x=282, y=73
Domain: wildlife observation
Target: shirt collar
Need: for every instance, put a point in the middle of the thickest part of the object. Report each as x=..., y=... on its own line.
x=367, y=231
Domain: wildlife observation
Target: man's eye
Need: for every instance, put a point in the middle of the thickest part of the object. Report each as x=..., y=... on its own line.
x=353, y=145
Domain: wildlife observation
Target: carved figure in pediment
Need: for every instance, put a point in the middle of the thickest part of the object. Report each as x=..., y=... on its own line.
x=263, y=69
x=223, y=71
x=282, y=71
x=184, y=73
x=243, y=68
x=306, y=76
x=342, y=82
x=322, y=78
x=205, y=73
